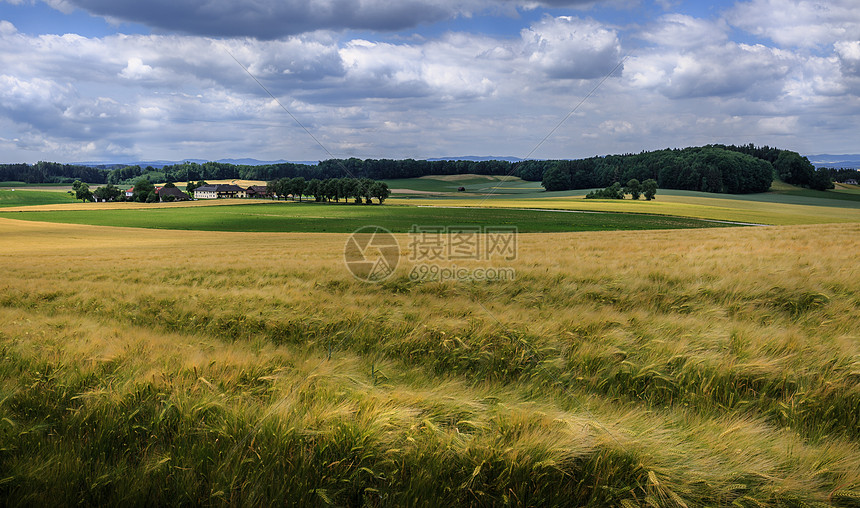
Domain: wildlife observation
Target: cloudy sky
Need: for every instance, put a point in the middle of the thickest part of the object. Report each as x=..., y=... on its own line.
x=124, y=80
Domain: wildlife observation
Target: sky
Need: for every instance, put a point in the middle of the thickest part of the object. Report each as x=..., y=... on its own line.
x=123, y=80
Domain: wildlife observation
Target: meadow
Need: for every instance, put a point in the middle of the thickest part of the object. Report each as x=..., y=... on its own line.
x=620, y=368
x=17, y=198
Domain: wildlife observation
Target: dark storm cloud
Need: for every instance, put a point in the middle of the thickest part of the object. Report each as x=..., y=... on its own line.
x=270, y=19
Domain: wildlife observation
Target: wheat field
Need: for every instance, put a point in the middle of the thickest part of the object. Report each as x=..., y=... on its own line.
x=648, y=368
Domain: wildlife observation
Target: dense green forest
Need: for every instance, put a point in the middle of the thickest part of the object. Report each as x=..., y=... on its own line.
x=711, y=168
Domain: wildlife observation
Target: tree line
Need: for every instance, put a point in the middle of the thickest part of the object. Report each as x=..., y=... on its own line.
x=330, y=189
x=361, y=190
x=51, y=172
x=710, y=168
x=843, y=175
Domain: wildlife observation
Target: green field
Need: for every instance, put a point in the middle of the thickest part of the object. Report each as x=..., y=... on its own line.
x=345, y=218
x=10, y=198
x=480, y=184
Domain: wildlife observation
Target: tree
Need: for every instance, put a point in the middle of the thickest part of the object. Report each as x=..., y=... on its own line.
x=556, y=178
x=142, y=188
x=328, y=188
x=614, y=191
x=633, y=188
x=313, y=189
x=82, y=191
x=272, y=188
x=794, y=169
x=152, y=197
x=297, y=187
x=109, y=192
x=380, y=191
x=821, y=180
x=649, y=188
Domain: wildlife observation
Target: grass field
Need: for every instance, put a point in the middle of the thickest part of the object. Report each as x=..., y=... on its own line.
x=26, y=198
x=777, y=211
x=785, y=204
x=346, y=218
x=448, y=184
x=634, y=368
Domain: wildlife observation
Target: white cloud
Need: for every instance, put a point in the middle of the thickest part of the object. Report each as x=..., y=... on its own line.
x=7, y=28
x=799, y=23
x=572, y=48
x=136, y=69
x=849, y=56
x=712, y=71
x=780, y=125
x=682, y=31
x=174, y=96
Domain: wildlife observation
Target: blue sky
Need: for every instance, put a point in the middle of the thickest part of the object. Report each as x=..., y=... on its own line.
x=117, y=80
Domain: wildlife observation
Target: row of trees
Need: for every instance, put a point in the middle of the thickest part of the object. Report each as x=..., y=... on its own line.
x=330, y=189
x=361, y=190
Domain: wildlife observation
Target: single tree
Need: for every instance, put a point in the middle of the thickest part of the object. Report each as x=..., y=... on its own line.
x=83, y=192
x=649, y=189
x=634, y=188
x=297, y=187
x=380, y=191
x=313, y=189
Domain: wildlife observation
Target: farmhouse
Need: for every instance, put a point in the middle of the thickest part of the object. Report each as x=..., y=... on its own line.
x=258, y=191
x=219, y=191
x=129, y=193
x=178, y=195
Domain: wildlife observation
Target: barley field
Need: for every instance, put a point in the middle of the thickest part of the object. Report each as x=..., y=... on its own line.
x=709, y=367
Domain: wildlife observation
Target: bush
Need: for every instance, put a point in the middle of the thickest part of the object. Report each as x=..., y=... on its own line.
x=614, y=191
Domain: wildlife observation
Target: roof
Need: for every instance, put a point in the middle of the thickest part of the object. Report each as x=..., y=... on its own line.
x=171, y=191
x=258, y=188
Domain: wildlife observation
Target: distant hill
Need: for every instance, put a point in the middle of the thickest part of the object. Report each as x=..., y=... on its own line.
x=851, y=161
x=158, y=164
